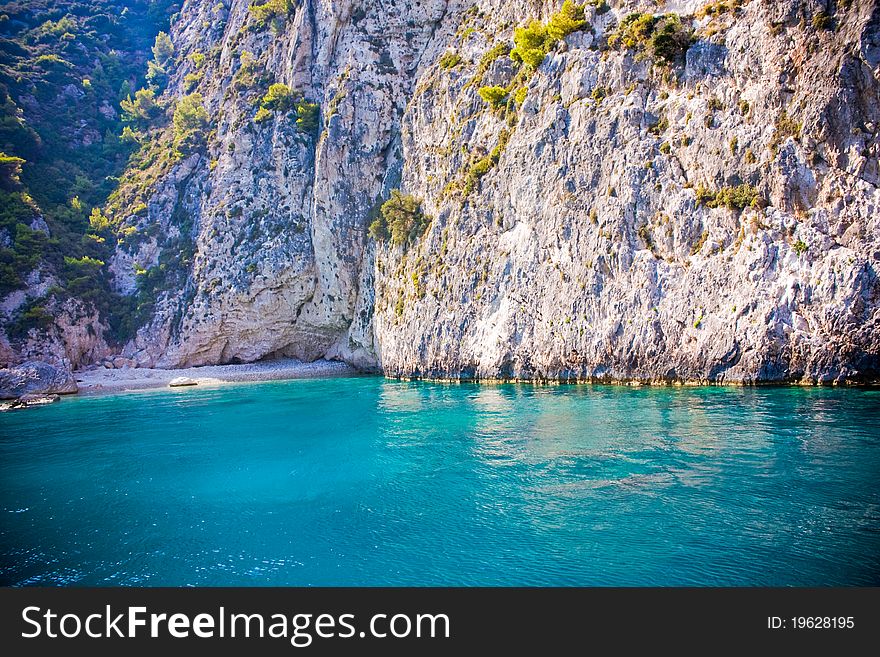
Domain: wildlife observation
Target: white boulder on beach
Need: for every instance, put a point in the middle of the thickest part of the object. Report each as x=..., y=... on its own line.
x=182, y=382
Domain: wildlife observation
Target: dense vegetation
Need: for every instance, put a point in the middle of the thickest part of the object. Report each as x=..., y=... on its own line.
x=66, y=66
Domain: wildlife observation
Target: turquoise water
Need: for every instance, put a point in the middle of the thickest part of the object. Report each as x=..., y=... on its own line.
x=364, y=481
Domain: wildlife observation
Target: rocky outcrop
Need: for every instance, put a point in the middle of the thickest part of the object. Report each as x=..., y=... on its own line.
x=74, y=336
x=712, y=217
x=77, y=336
x=35, y=378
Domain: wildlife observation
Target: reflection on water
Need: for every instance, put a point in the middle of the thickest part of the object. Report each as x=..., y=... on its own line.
x=367, y=481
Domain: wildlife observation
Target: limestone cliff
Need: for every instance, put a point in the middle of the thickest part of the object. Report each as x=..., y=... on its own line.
x=586, y=253
x=277, y=216
x=621, y=210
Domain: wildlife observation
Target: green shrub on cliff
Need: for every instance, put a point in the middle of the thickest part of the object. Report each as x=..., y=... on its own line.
x=785, y=127
x=735, y=198
x=163, y=57
x=488, y=58
x=272, y=12
x=664, y=37
x=262, y=115
x=634, y=31
x=192, y=80
x=279, y=98
x=400, y=220
x=485, y=164
x=671, y=39
x=535, y=40
x=140, y=109
x=248, y=71
x=10, y=170
x=718, y=8
x=532, y=44
x=495, y=96
x=822, y=21
x=163, y=49
x=53, y=64
x=308, y=117
x=569, y=19
x=450, y=60
x=189, y=121
x=32, y=315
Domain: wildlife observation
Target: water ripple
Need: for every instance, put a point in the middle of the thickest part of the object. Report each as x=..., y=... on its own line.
x=372, y=482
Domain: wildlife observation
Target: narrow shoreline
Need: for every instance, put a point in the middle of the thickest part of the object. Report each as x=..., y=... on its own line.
x=100, y=380
x=97, y=380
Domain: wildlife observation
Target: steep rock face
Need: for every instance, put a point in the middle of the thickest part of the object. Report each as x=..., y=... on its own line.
x=588, y=248
x=75, y=335
x=585, y=254
x=277, y=216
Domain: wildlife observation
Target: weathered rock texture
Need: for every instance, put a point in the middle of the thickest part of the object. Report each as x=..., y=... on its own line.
x=279, y=224
x=35, y=378
x=521, y=282
x=75, y=335
x=583, y=253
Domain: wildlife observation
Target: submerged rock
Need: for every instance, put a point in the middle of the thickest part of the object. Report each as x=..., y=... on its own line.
x=38, y=400
x=35, y=378
x=182, y=382
x=26, y=401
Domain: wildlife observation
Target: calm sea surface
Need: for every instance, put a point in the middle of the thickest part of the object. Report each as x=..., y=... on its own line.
x=364, y=481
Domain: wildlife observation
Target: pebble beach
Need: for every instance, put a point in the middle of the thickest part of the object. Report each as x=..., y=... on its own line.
x=100, y=379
